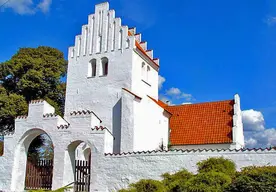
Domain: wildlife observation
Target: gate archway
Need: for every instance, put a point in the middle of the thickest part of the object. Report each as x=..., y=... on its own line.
x=78, y=159
x=39, y=168
x=22, y=166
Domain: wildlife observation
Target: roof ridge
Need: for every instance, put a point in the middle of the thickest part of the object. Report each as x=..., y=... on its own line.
x=199, y=103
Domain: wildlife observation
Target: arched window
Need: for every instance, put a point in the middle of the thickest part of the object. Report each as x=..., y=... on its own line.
x=143, y=70
x=147, y=73
x=92, y=68
x=104, y=66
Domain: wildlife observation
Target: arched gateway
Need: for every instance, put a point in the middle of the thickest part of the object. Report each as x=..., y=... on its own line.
x=37, y=172
x=74, y=148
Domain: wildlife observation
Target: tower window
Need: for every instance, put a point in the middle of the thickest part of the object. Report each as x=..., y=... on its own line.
x=104, y=66
x=143, y=70
x=148, y=71
x=92, y=68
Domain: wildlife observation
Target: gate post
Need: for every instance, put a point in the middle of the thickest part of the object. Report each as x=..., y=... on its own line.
x=58, y=168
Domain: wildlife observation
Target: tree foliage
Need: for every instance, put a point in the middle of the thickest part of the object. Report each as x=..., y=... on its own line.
x=217, y=165
x=207, y=182
x=32, y=73
x=255, y=179
x=174, y=182
x=146, y=185
x=215, y=175
x=41, y=148
x=11, y=105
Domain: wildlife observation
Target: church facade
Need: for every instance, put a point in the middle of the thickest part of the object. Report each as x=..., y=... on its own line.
x=112, y=106
x=112, y=73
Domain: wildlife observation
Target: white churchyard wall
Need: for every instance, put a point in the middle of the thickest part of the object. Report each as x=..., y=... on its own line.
x=117, y=171
x=113, y=172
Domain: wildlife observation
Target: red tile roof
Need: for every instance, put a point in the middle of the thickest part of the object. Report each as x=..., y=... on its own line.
x=202, y=123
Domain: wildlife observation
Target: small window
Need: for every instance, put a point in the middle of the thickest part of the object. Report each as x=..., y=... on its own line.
x=148, y=70
x=143, y=70
x=127, y=43
x=92, y=68
x=104, y=66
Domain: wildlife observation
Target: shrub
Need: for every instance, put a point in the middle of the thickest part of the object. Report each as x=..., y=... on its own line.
x=173, y=182
x=207, y=182
x=62, y=189
x=127, y=190
x=255, y=179
x=146, y=185
x=217, y=165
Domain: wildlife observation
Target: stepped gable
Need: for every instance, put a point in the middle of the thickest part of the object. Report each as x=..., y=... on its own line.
x=105, y=33
x=142, y=47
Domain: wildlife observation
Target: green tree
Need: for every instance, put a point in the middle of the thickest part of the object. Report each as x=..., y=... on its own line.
x=217, y=165
x=146, y=185
x=174, y=182
x=11, y=105
x=32, y=73
x=207, y=182
x=41, y=148
x=255, y=179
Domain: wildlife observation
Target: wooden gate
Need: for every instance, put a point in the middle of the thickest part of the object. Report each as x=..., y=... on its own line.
x=82, y=176
x=39, y=174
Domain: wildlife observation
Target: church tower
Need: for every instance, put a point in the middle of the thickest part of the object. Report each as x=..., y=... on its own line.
x=106, y=60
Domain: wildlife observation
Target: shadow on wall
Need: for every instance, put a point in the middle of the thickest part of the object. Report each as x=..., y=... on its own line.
x=116, y=122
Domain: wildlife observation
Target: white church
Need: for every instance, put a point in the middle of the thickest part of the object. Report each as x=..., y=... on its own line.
x=112, y=107
x=113, y=74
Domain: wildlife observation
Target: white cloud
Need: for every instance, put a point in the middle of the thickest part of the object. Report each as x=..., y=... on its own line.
x=256, y=135
x=271, y=20
x=44, y=5
x=177, y=94
x=253, y=120
x=23, y=7
x=165, y=99
x=173, y=91
x=161, y=80
x=19, y=6
x=186, y=96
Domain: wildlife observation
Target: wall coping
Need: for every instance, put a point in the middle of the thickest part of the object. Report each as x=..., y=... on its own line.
x=192, y=151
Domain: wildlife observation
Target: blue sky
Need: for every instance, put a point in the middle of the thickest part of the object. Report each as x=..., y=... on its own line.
x=208, y=50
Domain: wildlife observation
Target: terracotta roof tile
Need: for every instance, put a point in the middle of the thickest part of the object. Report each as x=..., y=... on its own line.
x=202, y=123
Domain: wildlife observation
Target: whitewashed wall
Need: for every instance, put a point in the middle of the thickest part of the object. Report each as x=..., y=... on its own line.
x=42, y=120
x=151, y=125
x=144, y=84
x=100, y=94
x=120, y=170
